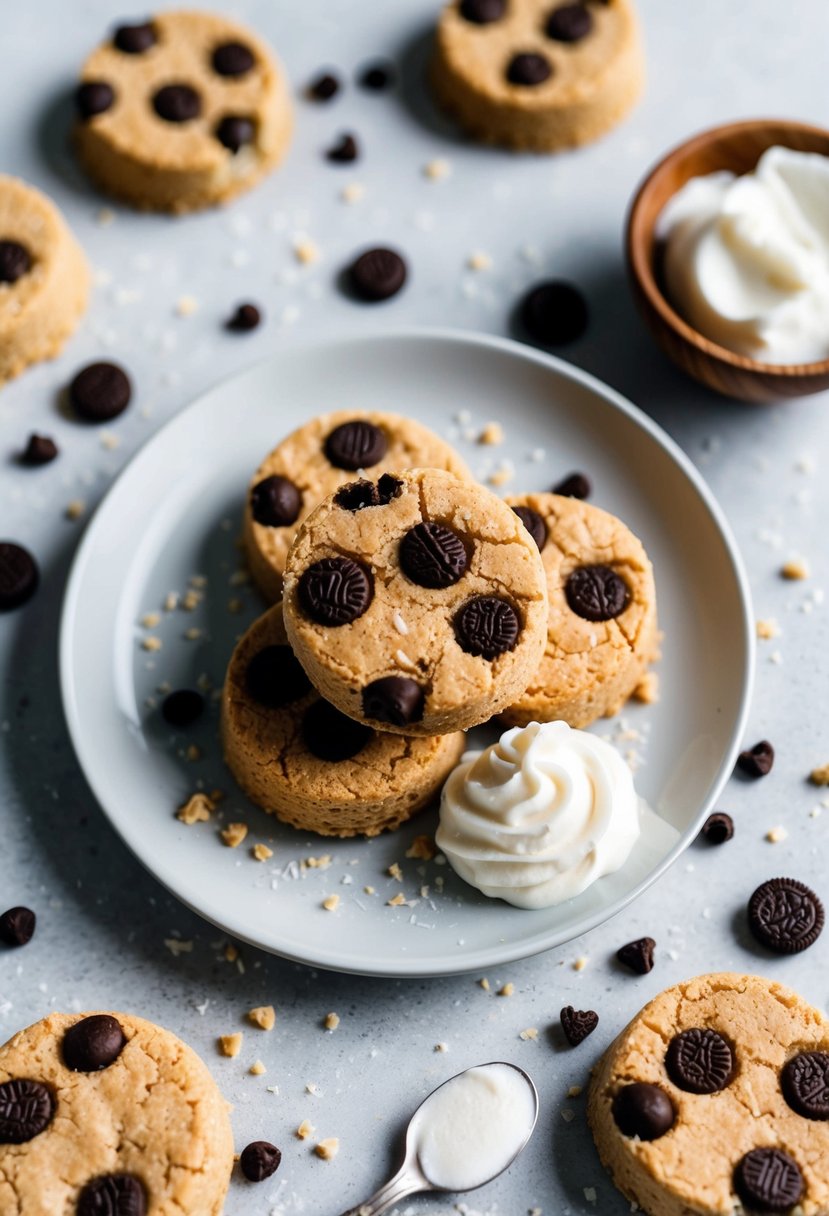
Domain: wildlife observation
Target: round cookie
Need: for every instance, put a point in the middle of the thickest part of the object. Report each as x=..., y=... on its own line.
x=418, y=602
x=181, y=112
x=313, y=462
x=299, y=758
x=717, y=1096
x=109, y=1113
x=44, y=278
x=601, y=631
x=533, y=75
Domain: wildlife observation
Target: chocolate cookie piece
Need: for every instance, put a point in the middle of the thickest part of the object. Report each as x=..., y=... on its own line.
x=718, y=828
x=330, y=735
x=93, y=97
x=395, y=700
x=26, y=1109
x=93, y=1043
x=335, y=591
x=247, y=317
x=487, y=626
x=259, y=1160
x=275, y=678
x=113, y=1195
x=17, y=926
x=356, y=445
x=275, y=502
x=482, y=12
x=637, y=955
x=39, y=450
x=768, y=1180
x=177, y=103
x=757, y=761
x=596, y=593
x=644, y=1111
x=534, y=523
x=377, y=274
x=433, y=555
x=700, y=1061
x=19, y=575
x=575, y=485
x=805, y=1084
x=182, y=708
x=785, y=916
x=233, y=59
x=344, y=152
x=529, y=69
x=135, y=39
x=100, y=392
x=569, y=23
x=236, y=131
x=15, y=261
x=577, y=1024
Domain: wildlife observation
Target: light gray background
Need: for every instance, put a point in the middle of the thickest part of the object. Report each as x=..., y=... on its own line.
x=103, y=921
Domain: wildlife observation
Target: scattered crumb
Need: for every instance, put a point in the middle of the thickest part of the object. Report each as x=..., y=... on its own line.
x=186, y=306
x=171, y=601
x=647, y=690
x=441, y=1047
x=820, y=775
x=151, y=643
x=75, y=509
x=230, y=1044
x=327, y=1149
x=176, y=946
x=306, y=252
x=109, y=441
x=353, y=192
x=331, y=903
x=231, y=953
x=437, y=169
x=332, y=1021
x=500, y=477
x=776, y=835
x=193, y=752
x=590, y=1194
x=574, y=1091
x=484, y=983
x=394, y=871
x=318, y=863
x=234, y=605
x=491, y=434
x=305, y=1130
x=193, y=633
x=197, y=809
x=580, y=963
x=368, y=890
x=506, y=989
x=396, y=901
x=262, y=1016
x=479, y=261
x=191, y=600
x=768, y=629
x=794, y=569
x=150, y=620
x=234, y=834
x=257, y=1069
x=530, y=1033
x=261, y=852
x=105, y=217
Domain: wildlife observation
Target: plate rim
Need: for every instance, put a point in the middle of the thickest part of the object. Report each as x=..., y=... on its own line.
x=494, y=955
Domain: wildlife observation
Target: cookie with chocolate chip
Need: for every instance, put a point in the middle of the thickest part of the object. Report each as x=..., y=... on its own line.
x=715, y=1099
x=601, y=630
x=44, y=278
x=301, y=759
x=536, y=74
x=316, y=460
x=180, y=112
x=416, y=603
x=107, y=1113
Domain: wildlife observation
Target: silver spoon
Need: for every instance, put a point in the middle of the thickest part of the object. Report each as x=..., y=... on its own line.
x=411, y=1178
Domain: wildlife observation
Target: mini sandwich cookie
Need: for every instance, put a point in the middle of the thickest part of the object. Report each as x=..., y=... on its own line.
x=601, y=631
x=538, y=75
x=715, y=1100
x=44, y=278
x=295, y=755
x=181, y=112
x=313, y=462
x=418, y=602
x=105, y=1114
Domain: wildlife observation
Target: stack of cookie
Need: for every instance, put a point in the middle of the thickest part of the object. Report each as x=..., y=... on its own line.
x=410, y=604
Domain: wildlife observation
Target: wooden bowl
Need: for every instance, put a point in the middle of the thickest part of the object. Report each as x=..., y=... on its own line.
x=736, y=146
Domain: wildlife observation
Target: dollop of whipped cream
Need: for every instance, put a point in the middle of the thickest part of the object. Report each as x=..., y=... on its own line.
x=540, y=815
x=747, y=258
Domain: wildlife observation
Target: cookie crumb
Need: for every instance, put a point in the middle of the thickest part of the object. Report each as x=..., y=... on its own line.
x=230, y=1044
x=197, y=809
x=436, y=170
x=647, y=690
x=109, y=441
x=531, y=1033
x=776, y=835
x=331, y=903
x=491, y=434
x=479, y=261
x=151, y=644
x=318, y=863
x=150, y=620
x=332, y=1021
x=306, y=252
x=191, y=600
x=589, y=1193
x=177, y=946
x=186, y=306
x=506, y=989
x=574, y=1091
x=257, y=1069
x=262, y=1016
x=231, y=953
x=193, y=752
x=193, y=633
x=820, y=775
x=768, y=629
x=500, y=477
x=396, y=901
x=394, y=871
x=327, y=1149
x=484, y=983
x=171, y=601
x=794, y=569
x=580, y=963
x=261, y=852
x=305, y=1129
x=234, y=834
x=368, y=890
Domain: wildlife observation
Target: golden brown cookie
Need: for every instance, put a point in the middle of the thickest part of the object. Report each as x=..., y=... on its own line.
x=44, y=278
x=181, y=111
x=418, y=601
x=313, y=462
x=715, y=1100
x=601, y=631
x=108, y=1113
x=534, y=75
x=296, y=756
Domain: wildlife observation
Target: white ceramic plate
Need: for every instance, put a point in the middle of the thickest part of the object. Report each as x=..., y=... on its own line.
x=174, y=513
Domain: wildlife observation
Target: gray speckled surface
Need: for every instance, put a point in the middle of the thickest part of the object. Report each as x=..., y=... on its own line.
x=103, y=920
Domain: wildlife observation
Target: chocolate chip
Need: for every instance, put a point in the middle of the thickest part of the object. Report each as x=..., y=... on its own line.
x=575, y=485
x=768, y=1180
x=785, y=916
x=324, y=87
x=554, y=313
x=331, y=736
x=482, y=12
x=700, y=1061
x=396, y=700
x=177, y=103
x=113, y=1195
x=19, y=575
x=275, y=502
x=377, y=274
x=335, y=591
x=356, y=495
x=638, y=955
x=233, y=59
x=805, y=1084
x=245, y=318
x=259, y=1160
x=94, y=97
x=356, y=445
x=93, y=1043
x=377, y=77
x=718, y=828
x=569, y=23
x=235, y=131
x=643, y=1110
x=135, y=39
x=529, y=69
x=275, y=677
x=534, y=524
x=39, y=450
x=596, y=593
x=17, y=926
x=15, y=261
x=100, y=392
x=432, y=555
x=758, y=760
x=26, y=1109
x=487, y=626
x=183, y=707
x=577, y=1024
x=344, y=151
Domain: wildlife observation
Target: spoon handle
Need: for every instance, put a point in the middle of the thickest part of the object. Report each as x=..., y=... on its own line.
x=398, y=1188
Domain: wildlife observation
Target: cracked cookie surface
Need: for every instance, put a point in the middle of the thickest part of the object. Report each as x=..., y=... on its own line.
x=303, y=460
x=747, y=1141
x=303, y=761
x=424, y=611
x=152, y=1116
x=590, y=666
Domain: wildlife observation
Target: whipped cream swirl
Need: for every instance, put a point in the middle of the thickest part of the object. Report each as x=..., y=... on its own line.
x=540, y=815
